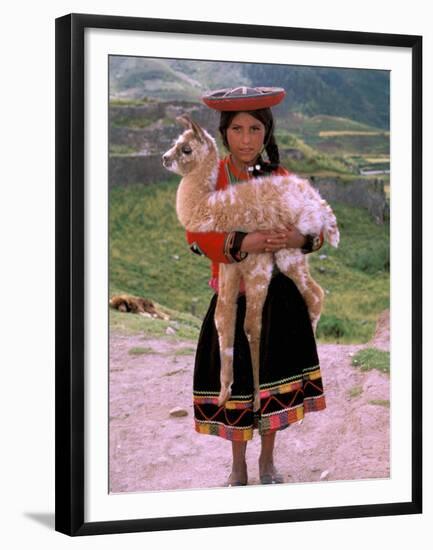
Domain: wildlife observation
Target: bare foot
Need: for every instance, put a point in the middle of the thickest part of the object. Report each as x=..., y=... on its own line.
x=269, y=474
x=238, y=476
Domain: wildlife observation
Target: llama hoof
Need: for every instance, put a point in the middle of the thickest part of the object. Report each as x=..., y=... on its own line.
x=224, y=396
x=256, y=406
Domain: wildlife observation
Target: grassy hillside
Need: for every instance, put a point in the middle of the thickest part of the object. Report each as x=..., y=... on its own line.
x=149, y=257
x=361, y=95
x=327, y=145
x=333, y=144
x=135, y=77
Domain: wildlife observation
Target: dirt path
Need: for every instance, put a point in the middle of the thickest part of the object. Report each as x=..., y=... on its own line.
x=151, y=450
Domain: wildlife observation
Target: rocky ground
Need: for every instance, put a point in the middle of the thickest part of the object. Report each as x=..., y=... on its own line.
x=151, y=449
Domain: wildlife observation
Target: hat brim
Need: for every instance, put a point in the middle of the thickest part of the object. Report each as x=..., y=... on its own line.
x=224, y=102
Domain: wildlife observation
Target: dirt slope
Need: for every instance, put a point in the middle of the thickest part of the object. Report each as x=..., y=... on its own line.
x=152, y=450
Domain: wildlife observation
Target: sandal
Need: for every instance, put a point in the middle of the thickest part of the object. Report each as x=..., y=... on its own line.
x=269, y=479
x=236, y=484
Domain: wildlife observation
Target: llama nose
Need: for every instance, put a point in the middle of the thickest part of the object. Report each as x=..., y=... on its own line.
x=165, y=159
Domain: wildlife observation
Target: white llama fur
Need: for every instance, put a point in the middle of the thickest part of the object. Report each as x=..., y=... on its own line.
x=270, y=202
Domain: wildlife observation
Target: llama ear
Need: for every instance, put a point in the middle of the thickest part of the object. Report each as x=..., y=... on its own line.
x=198, y=131
x=184, y=120
x=190, y=124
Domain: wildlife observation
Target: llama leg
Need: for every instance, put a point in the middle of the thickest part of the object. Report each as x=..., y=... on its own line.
x=257, y=272
x=225, y=322
x=314, y=300
x=294, y=265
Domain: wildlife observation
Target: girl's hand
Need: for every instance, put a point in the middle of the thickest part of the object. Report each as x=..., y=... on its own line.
x=258, y=242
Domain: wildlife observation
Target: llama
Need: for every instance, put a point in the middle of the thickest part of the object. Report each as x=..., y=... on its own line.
x=270, y=202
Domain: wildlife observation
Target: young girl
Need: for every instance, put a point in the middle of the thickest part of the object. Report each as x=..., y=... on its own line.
x=290, y=378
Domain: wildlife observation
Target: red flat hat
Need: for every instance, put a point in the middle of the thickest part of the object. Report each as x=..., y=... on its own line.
x=243, y=98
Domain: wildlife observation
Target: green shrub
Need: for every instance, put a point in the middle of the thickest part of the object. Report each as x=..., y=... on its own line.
x=331, y=327
x=364, y=245
x=372, y=358
x=373, y=259
x=380, y=402
x=139, y=351
x=355, y=392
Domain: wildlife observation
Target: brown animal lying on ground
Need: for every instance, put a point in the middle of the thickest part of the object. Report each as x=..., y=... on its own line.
x=135, y=304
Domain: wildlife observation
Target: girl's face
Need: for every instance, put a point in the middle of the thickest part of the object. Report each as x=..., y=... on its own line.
x=245, y=137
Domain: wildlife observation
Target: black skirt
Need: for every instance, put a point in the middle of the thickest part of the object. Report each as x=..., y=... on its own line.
x=290, y=377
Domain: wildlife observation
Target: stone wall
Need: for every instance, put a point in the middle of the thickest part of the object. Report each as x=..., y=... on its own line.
x=136, y=169
x=361, y=192
x=161, y=129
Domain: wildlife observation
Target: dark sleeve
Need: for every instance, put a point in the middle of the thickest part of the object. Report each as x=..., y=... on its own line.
x=218, y=247
x=312, y=243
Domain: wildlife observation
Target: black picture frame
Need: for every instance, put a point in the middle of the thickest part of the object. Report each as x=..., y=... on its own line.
x=70, y=281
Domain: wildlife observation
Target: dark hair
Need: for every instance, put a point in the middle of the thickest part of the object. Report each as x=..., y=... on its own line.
x=266, y=118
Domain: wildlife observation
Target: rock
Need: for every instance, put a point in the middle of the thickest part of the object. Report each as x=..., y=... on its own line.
x=324, y=475
x=295, y=154
x=323, y=257
x=178, y=411
x=170, y=331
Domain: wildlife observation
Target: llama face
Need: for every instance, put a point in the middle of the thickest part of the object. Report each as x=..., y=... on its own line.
x=190, y=149
x=182, y=157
